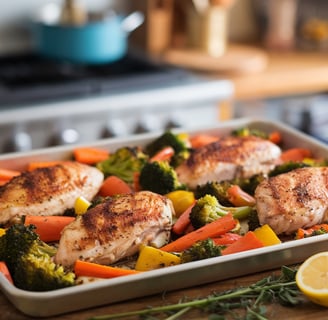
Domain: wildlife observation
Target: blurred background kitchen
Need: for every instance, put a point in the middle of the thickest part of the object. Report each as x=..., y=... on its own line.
x=77, y=71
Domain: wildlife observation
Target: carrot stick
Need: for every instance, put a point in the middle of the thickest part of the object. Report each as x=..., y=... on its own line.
x=227, y=238
x=183, y=221
x=238, y=197
x=48, y=228
x=275, y=137
x=89, y=269
x=88, y=155
x=43, y=164
x=247, y=242
x=163, y=155
x=200, y=140
x=5, y=271
x=303, y=233
x=295, y=154
x=114, y=185
x=210, y=230
x=7, y=174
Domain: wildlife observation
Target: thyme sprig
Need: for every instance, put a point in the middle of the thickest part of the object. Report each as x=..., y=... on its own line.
x=252, y=300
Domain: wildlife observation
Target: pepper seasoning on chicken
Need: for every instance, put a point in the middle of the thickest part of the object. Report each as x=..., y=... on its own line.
x=228, y=158
x=116, y=228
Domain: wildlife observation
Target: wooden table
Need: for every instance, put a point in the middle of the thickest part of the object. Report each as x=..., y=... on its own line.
x=304, y=311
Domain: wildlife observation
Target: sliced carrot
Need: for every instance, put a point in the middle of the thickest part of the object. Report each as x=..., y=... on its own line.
x=295, y=154
x=238, y=197
x=210, y=230
x=43, y=164
x=183, y=221
x=275, y=137
x=90, y=155
x=165, y=154
x=247, y=242
x=49, y=228
x=5, y=271
x=114, y=185
x=89, y=269
x=227, y=238
x=136, y=181
x=7, y=174
x=200, y=140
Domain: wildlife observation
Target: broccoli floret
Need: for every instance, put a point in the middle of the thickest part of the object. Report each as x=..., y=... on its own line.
x=249, y=184
x=169, y=139
x=159, y=177
x=30, y=260
x=246, y=132
x=253, y=220
x=216, y=189
x=208, y=209
x=123, y=163
x=286, y=167
x=200, y=250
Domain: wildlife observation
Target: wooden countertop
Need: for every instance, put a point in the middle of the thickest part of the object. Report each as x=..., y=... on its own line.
x=304, y=311
x=288, y=73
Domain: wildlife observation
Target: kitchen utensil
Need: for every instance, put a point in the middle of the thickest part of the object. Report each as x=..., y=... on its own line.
x=73, y=13
x=95, y=42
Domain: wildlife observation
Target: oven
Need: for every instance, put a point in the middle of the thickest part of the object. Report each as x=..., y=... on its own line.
x=45, y=103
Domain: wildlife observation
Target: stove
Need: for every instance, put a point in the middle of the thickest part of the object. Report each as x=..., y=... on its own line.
x=44, y=103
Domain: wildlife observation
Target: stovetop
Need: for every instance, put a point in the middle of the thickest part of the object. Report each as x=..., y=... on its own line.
x=29, y=78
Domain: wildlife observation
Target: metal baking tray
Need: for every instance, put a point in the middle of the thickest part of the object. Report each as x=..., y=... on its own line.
x=50, y=303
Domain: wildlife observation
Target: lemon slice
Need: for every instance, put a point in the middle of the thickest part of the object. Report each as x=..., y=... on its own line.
x=312, y=278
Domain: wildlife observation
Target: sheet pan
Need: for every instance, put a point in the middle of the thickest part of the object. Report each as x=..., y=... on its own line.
x=45, y=304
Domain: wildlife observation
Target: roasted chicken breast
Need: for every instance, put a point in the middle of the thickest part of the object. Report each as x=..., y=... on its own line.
x=116, y=228
x=228, y=158
x=48, y=191
x=297, y=199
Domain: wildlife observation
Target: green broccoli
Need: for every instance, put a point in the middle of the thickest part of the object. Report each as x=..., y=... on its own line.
x=286, y=167
x=246, y=132
x=169, y=139
x=123, y=163
x=159, y=177
x=253, y=220
x=29, y=260
x=200, y=250
x=208, y=209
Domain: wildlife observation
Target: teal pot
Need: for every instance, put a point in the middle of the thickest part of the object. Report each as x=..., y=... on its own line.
x=96, y=42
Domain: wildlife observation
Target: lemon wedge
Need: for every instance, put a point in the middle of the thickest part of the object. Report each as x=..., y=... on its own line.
x=312, y=278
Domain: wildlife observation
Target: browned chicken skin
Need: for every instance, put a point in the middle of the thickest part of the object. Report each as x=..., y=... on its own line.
x=48, y=191
x=228, y=158
x=116, y=228
x=297, y=199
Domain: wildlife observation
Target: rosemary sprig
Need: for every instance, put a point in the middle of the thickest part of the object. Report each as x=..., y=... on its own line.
x=251, y=299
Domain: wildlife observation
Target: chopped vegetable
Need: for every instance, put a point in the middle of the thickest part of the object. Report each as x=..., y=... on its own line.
x=112, y=186
x=247, y=242
x=211, y=230
x=295, y=154
x=267, y=235
x=4, y=270
x=200, y=140
x=181, y=200
x=151, y=258
x=275, y=137
x=183, y=221
x=227, y=238
x=238, y=197
x=89, y=269
x=312, y=231
x=88, y=155
x=2, y=231
x=44, y=164
x=165, y=154
x=81, y=205
x=48, y=228
x=7, y=174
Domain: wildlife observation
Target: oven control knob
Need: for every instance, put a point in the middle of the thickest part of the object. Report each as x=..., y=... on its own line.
x=65, y=136
x=148, y=123
x=115, y=128
x=20, y=141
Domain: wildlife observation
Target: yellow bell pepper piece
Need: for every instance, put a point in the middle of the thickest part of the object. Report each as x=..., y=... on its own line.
x=2, y=232
x=151, y=258
x=81, y=205
x=267, y=235
x=181, y=200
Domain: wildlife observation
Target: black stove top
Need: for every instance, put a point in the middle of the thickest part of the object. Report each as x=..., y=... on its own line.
x=30, y=78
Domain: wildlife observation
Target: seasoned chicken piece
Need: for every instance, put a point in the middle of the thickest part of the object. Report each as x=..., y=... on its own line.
x=115, y=229
x=228, y=158
x=297, y=199
x=48, y=191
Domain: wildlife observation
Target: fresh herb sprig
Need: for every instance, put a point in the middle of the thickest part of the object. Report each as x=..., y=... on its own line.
x=252, y=300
